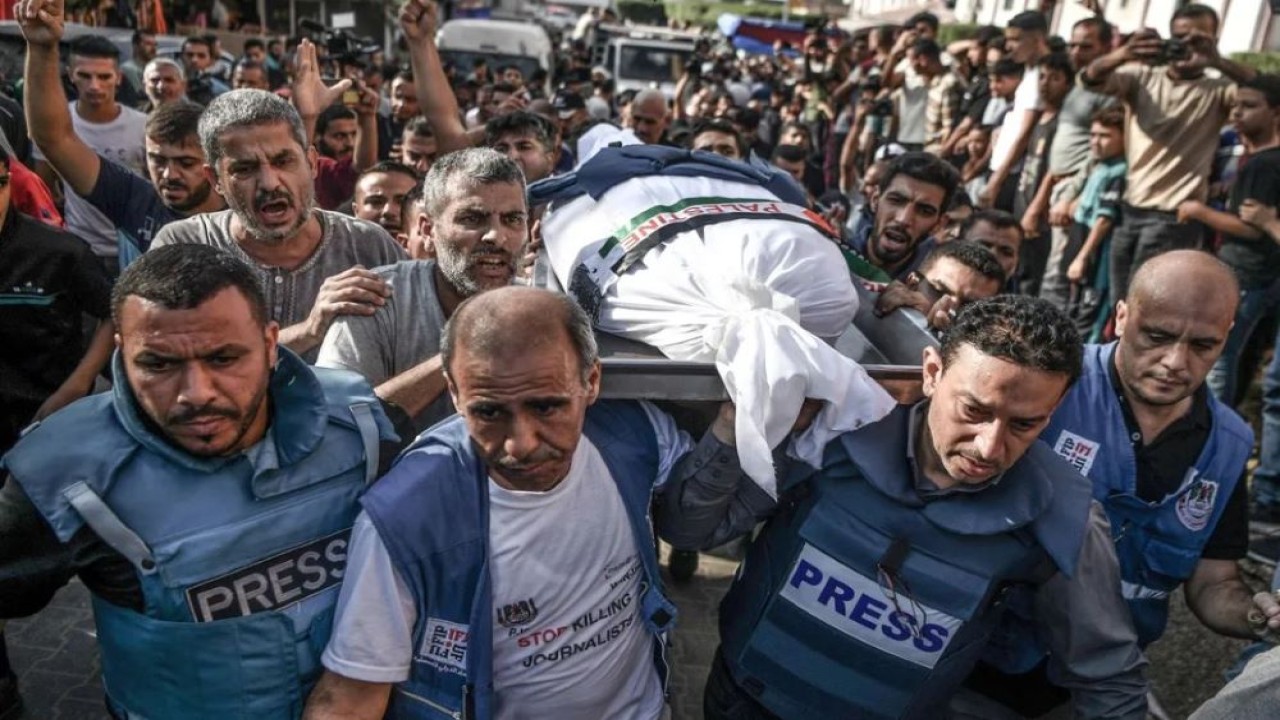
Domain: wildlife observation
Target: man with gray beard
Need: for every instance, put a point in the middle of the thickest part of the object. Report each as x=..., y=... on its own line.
x=475, y=217
x=311, y=262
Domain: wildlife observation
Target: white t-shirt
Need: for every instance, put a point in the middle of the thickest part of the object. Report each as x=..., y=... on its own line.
x=123, y=141
x=1025, y=99
x=568, y=640
x=913, y=101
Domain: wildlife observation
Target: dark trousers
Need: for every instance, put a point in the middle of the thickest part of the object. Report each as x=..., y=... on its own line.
x=724, y=700
x=1032, y=260
x=1140, y=235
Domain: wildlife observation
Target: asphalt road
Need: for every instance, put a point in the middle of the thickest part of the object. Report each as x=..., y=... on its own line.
x=57, y=661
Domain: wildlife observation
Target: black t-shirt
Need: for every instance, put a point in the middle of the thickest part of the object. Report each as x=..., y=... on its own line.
x=1035, y=164
x=1162, y=467
x=973, y=104
x=49, y=280
x=1256, y=262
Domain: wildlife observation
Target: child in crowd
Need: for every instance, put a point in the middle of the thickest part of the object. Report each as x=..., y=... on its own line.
x=1097, y=212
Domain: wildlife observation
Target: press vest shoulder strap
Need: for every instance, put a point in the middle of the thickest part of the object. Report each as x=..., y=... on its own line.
x=103, y=521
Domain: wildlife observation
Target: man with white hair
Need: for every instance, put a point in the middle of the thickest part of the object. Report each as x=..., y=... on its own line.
x=649, y=116
x=312, y=262
x=164, y=81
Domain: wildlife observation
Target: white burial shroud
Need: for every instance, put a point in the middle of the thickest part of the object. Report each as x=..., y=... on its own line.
x=762, y=298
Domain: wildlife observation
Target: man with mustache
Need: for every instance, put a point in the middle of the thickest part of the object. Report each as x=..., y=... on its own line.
x=506, y=566
x=915, y=192
x=476, y=220
x=175, y=163
x=1166, y=459
x=312, y=262
x=206, y=502
x=881, y=577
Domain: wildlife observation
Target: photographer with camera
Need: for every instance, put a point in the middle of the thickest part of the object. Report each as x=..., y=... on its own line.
x=197, y=58
x=1170, y=103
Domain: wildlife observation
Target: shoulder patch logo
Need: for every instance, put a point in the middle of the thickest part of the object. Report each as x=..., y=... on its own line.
x=444, y=645
x=1195, y=505
x=1079, y=452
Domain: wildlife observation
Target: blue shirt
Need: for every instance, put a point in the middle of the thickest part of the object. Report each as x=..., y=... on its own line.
x=132, y=204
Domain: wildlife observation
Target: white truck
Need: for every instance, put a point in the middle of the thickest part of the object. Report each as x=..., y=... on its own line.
x=498, y=42
x=642, y=57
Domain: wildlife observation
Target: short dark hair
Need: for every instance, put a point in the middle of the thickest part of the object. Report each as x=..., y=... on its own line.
x=405, y=74
x=1268, y=85
x=1196, y=10
x=139, y=34
x=998, y=219
x=1101, y=25
x=413, y=196
x=1057, y=62
x=1007, y=67
x=721, y=126
x=790, y=153
x=175, y=123
x=926, y=168
x=247, y=64
x=928, y=47
x=988, y=34
x=1030, y=21
x=886, y=34
x=418, y=126
x=181, y=277
x=391, y=167
x=502, y=87
x=521, y=122
x=971, y=255
x=332, y=114
x=198, y=40
x=1112, y=117
x=95, y=46
x=1026, y=331
x=254, y=42
x=927, y=18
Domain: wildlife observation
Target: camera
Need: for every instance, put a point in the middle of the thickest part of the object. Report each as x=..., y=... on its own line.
x=340, y=45
x=1175, y=50
x=882, y=107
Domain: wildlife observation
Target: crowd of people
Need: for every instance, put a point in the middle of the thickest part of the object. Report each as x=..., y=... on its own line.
x=235, y=292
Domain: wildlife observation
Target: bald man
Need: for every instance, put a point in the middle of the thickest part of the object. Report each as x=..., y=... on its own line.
x=648, y=116
x=506, y=566
x=1166, y=459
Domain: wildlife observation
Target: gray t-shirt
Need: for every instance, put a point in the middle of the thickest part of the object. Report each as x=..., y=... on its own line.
x=1070, y=149
x=344, y=243
x=401, y=334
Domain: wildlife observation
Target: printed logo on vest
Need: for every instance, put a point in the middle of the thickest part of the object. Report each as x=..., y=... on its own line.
x=517, y=613
x=858, y=607
x=1195, y=506
x=272, y=583
x=1079, y=452
x=444, y=645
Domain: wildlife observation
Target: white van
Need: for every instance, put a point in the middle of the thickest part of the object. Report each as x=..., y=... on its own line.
x=499, y=42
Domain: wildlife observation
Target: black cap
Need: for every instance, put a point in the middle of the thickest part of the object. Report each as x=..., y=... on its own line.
x=566, y=103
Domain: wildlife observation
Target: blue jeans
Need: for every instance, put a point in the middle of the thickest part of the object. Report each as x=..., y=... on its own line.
x=1266, y=478
x=1223, y=379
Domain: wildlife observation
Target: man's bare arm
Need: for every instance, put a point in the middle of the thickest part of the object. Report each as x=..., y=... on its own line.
x=418, y=21
x=48, y=117
x=416, y=388
x=1219, y=598
x=340, y=698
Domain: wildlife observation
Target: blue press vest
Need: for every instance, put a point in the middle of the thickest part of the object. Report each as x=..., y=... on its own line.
x=432, y=513
x=861, y=600
x=239, y=565
x=1158, y=544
